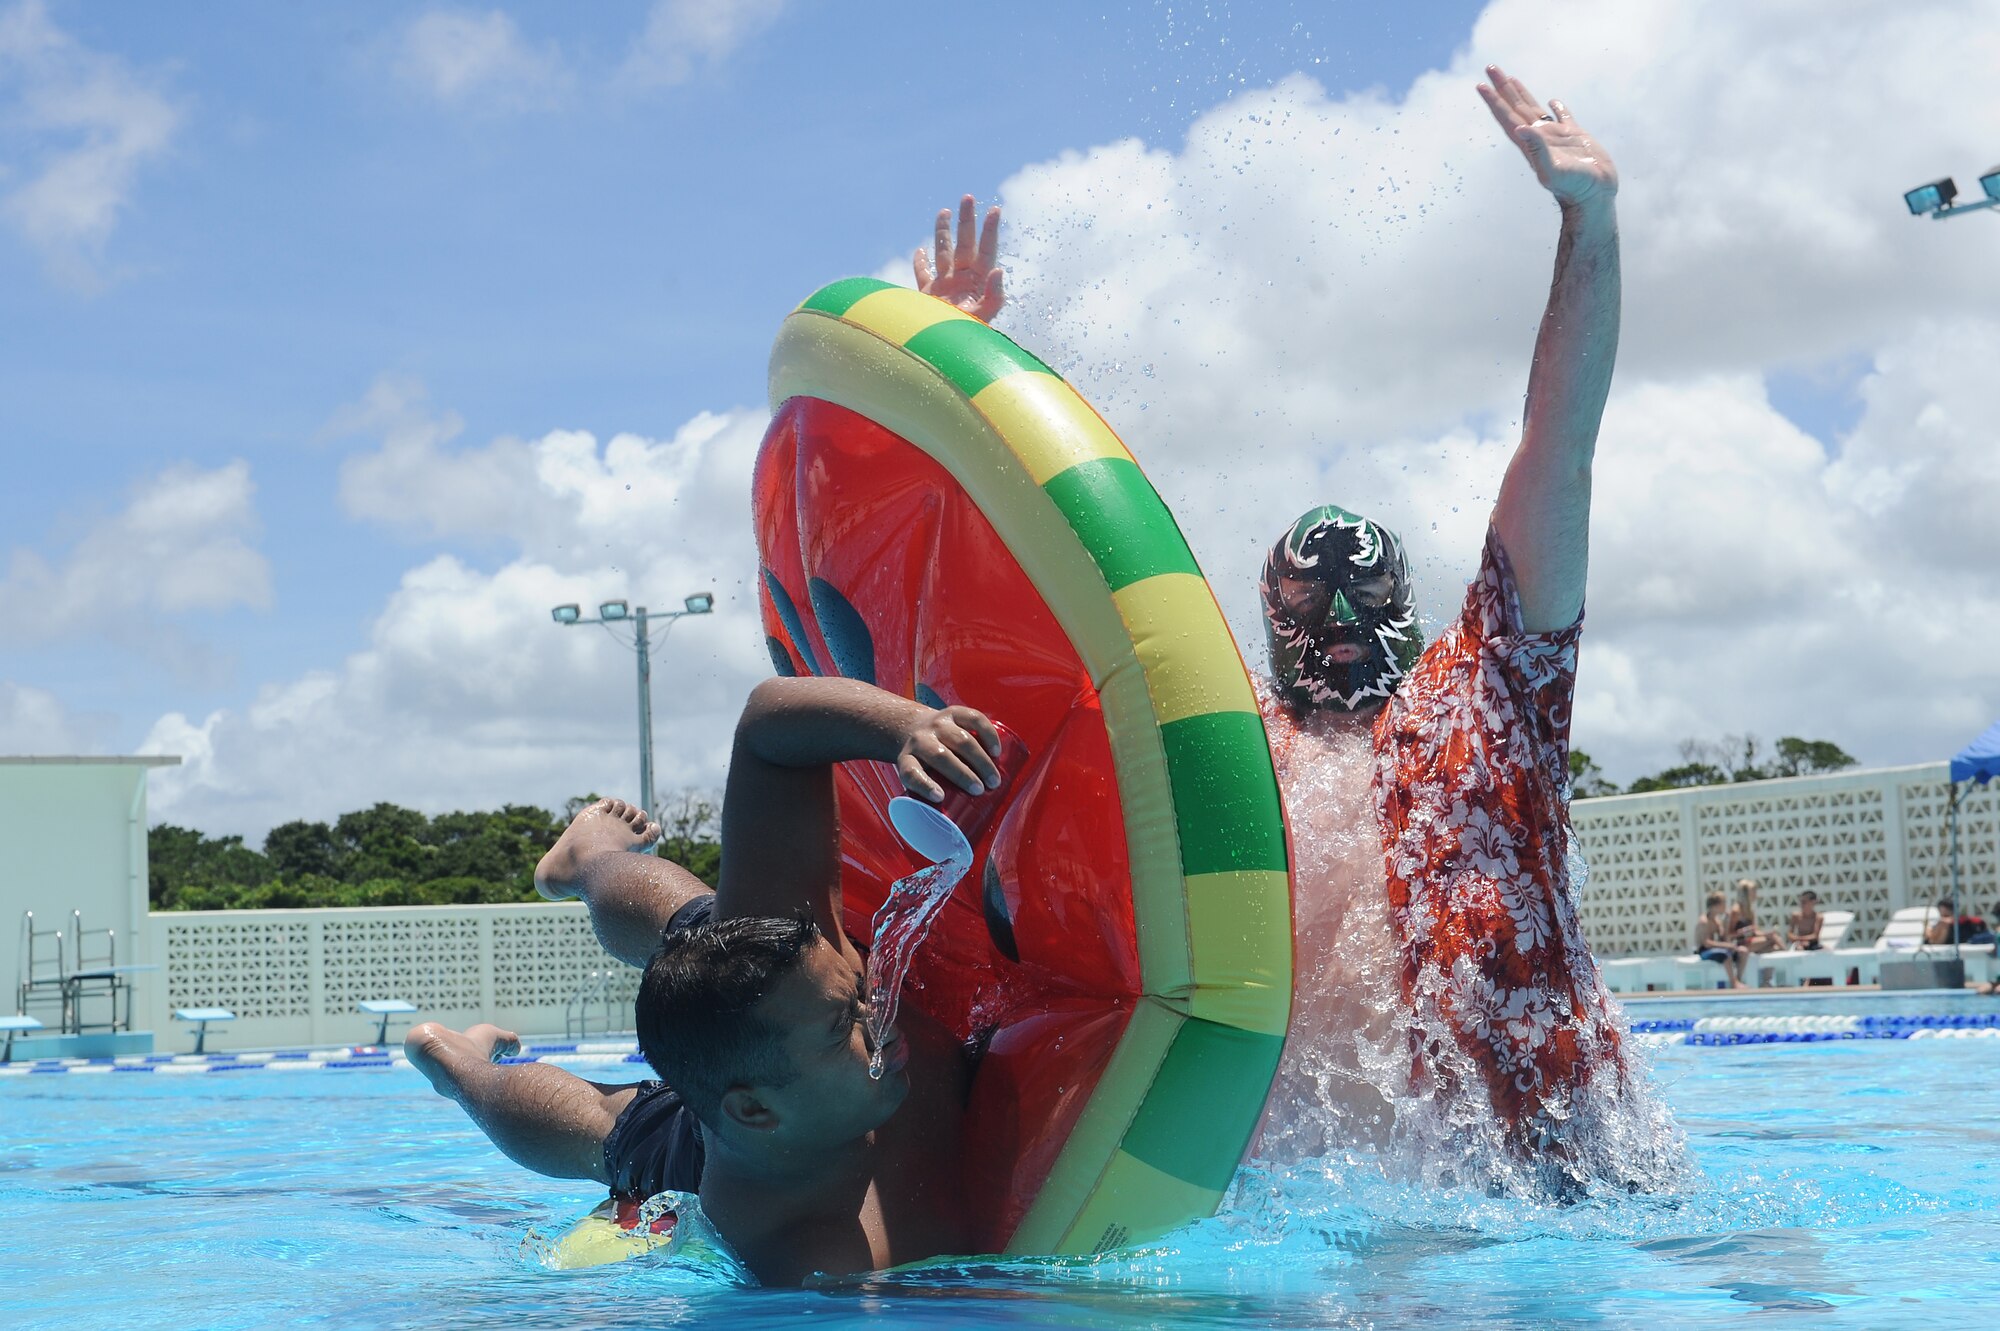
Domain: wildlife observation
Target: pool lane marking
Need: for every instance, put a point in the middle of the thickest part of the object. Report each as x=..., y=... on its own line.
x=589, y=1054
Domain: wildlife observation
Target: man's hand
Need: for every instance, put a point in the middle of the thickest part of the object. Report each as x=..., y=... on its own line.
x=957, y=743
x=1567, y=161
x=965, y=274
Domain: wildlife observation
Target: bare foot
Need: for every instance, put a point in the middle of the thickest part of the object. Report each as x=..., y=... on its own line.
x=498, y=1043
x=606, y=827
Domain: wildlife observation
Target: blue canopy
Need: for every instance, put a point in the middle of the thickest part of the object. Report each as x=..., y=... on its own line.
x=1980, y=760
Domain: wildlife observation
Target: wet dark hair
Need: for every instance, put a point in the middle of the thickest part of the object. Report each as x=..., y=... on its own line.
x=696, y=1010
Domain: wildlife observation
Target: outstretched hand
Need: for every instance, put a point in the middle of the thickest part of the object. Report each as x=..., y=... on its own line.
x=1566, y=160
x=957, y=743
x=965, y=274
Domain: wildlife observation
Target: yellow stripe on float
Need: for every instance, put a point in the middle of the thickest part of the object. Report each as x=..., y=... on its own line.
x=1240, y=927
x=1047, y=425
x=1132, y=1188
x=1079, y=1169
x=1191, y=662
x=900, y=314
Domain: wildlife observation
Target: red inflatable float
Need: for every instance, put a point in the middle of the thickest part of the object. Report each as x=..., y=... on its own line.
x=937, y=513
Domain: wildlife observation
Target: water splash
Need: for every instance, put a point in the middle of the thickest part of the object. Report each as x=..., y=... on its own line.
x=1368, y=1069
x=900, y=927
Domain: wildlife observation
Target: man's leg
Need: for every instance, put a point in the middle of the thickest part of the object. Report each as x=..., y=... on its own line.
x=631, y=895
x=542, y=1117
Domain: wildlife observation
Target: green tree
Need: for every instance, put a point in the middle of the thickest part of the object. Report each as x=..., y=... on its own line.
x=1809, y=757
x=388, y=855
x=385, y=841
x=1735, y=758
x=177, y=856
x=298, y=848
x=1586, y=778
x=1680, y=777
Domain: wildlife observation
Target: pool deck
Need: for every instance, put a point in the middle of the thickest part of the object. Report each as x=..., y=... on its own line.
x=1808, y=1014
x=599, y=1055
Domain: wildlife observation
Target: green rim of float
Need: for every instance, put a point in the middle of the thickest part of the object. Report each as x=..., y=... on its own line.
x=1176, y=1106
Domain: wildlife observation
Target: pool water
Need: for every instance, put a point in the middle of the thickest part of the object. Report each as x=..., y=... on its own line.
x=1853, y=1184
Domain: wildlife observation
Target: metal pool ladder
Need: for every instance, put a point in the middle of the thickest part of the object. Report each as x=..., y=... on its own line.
x=594, y=992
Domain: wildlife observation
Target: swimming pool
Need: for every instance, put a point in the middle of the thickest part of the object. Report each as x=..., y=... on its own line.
x=1852, y=1184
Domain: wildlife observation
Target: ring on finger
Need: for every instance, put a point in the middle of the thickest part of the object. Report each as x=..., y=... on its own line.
x=1548, y=115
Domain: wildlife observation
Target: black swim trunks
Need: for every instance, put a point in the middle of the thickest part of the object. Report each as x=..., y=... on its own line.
x=656, y=1144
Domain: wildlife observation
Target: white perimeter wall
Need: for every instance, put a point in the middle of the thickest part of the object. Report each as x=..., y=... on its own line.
x=73, y=837
x=293, y=977
x=1870, y=842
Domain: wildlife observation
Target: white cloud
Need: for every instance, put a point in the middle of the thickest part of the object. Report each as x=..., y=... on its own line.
x=81, y=127
x=466, y=693
x=465, y=59
x=34, y=721
x=1334, y=298
x=183, y=543
x=1317, y=298
x=684, y=36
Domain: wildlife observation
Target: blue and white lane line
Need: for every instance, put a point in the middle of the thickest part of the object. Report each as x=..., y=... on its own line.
x=1710, y=1032
x=600, y=1053
x=1729, y=1031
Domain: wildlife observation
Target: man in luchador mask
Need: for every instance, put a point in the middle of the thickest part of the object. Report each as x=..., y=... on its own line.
x=1445, y=996
x=1456, y=757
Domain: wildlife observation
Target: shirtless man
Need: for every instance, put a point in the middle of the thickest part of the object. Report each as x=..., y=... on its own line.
x=752, y=1009
x=1803, y=929
x=1438, y=947
x=1713, y=941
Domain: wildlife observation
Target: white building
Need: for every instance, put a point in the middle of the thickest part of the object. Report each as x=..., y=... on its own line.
x=73, y=839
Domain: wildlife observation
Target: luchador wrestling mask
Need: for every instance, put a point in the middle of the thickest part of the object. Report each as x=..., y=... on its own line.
x=1338, y=613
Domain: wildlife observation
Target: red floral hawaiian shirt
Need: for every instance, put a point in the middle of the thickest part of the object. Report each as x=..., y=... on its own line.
x=1472, y=771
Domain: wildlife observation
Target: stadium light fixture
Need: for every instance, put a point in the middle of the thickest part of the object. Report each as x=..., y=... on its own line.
x=1935, y=199
x=619, y=612
x=1931, y=198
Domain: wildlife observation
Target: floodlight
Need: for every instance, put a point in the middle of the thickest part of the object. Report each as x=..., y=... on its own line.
x=566, y=614
x=1931, y=198
x=612, y=610
x=1990, y=182
x=700, y=603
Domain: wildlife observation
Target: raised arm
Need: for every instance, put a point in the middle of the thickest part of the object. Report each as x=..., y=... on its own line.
x=967, y=274
x=780, y=823
x=1543, y=514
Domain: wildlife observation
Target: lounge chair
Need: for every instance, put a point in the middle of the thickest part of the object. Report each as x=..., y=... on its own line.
x=1902, y=936
x=1793, y=966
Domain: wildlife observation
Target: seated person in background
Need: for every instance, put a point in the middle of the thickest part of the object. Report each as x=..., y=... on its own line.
x=1803, y=929
x=1951, y=927
x=753, y=1009
x=1713, y=941
x=1986, y=934
x=1743, y=928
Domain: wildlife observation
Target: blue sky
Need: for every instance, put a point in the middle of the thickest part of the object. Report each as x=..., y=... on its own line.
x=613, y=260
x=324, y=320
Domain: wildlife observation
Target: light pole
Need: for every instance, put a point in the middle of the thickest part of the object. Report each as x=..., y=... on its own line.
x=1936, y=198
x=616, y=612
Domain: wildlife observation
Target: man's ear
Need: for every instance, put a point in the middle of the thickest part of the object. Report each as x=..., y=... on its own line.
x=743, y=1107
